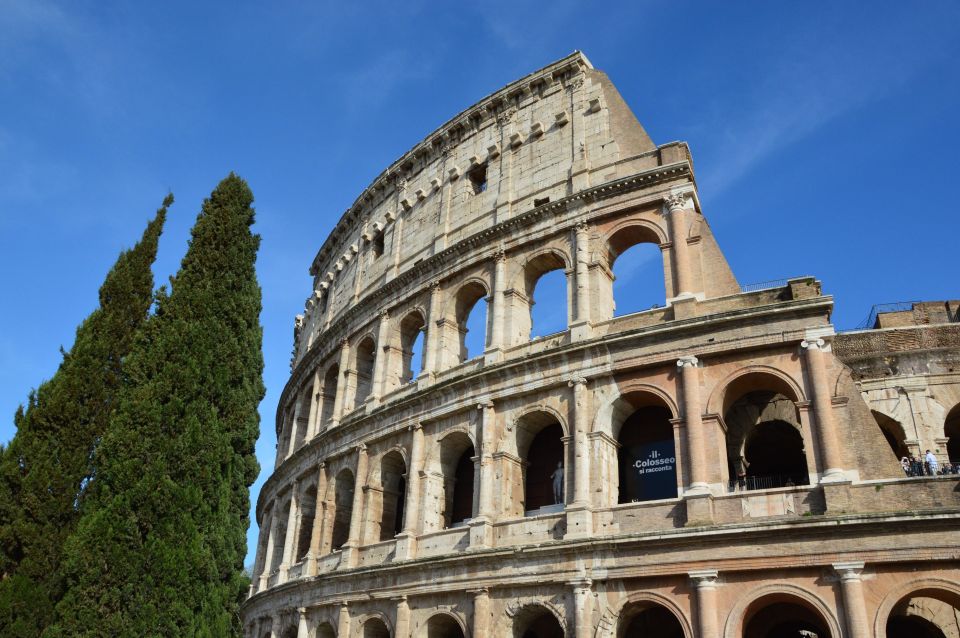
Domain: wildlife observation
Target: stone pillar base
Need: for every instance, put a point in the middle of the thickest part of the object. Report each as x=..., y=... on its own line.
x=310, y=566
x=834, y=475
x=349, y=556
x=699, y=509
x=579, y=522
x=481, y=533
x=492, y=356
x=581, y=331
x=684, y=306
x=406, y=548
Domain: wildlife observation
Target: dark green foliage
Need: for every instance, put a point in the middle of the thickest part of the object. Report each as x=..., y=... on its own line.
x=44, y=469
x=159, y=551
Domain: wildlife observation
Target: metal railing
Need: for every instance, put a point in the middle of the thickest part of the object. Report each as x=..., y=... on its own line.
x=762, y=285
x=895, y=306
x=767, y=482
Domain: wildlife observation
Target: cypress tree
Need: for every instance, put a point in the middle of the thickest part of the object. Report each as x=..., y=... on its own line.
x=45, y=467
x=159, y=550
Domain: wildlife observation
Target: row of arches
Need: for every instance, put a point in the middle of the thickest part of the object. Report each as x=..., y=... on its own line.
x=928, y=612
x=628, y=273
x=640, y=460
x=896, y=436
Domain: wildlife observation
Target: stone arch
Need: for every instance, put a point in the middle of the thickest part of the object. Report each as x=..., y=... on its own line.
x=375, y=625
x=289, y=632
x=411, y=328
x=385, y=517
x=780, y=380
x=364, y=362
x=539, y=434
x=301, y=413
x=464, y=302
x=457, y=473
x=340, y=493
x=443, y=624
x=941, y=589
x=308, y=513
x=615, y=618
x=618, y=240
x=328, y=392
x=893, y=432
x=283, y=517
x=775, y=592
x=518, y=617
x=646, y=453
x=951, y=430
x=534, y=267
x=326, y=630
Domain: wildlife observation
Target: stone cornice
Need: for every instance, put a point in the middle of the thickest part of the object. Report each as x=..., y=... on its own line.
x=435, y=266
x=490, y=105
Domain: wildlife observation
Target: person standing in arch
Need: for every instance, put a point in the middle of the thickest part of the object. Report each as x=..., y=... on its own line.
x=557, y=477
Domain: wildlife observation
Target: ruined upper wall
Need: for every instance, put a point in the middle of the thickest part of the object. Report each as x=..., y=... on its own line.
x=550, y=134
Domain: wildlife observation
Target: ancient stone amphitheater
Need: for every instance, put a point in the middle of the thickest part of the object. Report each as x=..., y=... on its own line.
x=724, y=464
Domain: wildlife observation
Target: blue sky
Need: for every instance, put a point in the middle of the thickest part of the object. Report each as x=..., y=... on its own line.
x=824, y=136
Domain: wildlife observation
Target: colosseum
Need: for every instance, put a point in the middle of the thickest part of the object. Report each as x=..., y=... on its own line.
x=724, y=464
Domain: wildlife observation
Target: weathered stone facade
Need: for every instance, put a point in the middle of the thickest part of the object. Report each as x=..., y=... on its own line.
x=424, y=506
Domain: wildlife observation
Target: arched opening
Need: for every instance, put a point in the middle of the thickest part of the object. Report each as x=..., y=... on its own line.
x=366, y=359
x=342, y=508
x=471, y=317
x=456, y=461
x=281, y=535
x=393, y=483
x=765, y=446
x=328, y=395
x=286, y=431
x=537, y=622
x=893, y=433
x=927, y=613
x=649, y=620
x=308, y=510
x=646, y=458
x=303, y=417
x=546, y=291
x=444, y=626
x=289, y=632
x=951, y=430
x=326, y=630
x=375, y=628
x=636, y=261
x=540, y=445
x=783, y=616
x=412, y=331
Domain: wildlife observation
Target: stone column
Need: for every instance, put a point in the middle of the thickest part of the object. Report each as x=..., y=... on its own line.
x=432, y=360
x=677, y=204
x=302, y=630
x=319, y=516
x=481, y=612
x=690, y=379
x=258, y=563
x=406, y=541
x=339, y=400
x=830, y=452
x=705, y=585
x=852, y=586
x=498, y=311
x=582, y=608
x=276, y=627
x=583, y=274
x=291, y=531
x=271, y=541
x=343, y=620
x=356, y=514
x=579, y=514
x=402, y=620
x=481, y=532
x=382, y=363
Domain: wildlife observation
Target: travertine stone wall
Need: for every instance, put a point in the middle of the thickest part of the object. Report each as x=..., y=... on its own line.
x=408, y=506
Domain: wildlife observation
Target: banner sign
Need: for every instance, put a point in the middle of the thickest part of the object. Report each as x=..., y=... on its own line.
x=649, y=471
